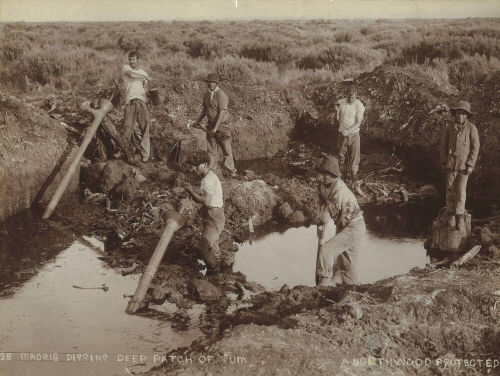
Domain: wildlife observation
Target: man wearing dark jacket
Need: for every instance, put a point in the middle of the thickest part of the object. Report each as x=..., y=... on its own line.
x=459, y=151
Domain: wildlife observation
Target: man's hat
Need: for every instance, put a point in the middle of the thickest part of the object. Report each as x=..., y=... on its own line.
x=331, y=165
x=212, y=77
x=462, y=105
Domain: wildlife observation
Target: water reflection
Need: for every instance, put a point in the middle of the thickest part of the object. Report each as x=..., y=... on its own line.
x=290, y=258
x=47, y=315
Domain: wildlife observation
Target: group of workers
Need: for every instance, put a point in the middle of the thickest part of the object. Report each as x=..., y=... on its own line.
x=340, y=221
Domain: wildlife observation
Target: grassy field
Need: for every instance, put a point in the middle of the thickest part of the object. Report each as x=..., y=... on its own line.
x=75, y=56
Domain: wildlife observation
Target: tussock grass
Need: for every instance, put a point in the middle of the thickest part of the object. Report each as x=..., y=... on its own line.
x=73, y=56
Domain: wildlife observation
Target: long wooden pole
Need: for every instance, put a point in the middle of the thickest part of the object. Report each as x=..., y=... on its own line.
x=105, y=106
x=174, y=222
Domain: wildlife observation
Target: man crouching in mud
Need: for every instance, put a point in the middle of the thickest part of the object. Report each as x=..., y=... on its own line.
x=212, y=199
x=336, y=201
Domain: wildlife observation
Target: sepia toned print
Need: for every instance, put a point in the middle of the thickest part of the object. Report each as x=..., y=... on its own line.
x=247, y=187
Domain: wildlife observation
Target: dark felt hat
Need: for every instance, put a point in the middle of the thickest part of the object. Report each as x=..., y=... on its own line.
x=331, y=165
x=462, y=105
x=212, y=77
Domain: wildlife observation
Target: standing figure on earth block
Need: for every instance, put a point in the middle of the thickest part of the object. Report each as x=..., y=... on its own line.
x=215, y=106
x=459, y=151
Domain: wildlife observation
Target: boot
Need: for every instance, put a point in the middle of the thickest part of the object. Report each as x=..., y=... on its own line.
x=210, y=261
x=452, y=221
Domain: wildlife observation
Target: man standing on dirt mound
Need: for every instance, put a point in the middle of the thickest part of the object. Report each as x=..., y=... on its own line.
x=459, y=152
x=215, y=107
x=136, y=110
x=341, y=204
x=213, y=206
x=349, y=115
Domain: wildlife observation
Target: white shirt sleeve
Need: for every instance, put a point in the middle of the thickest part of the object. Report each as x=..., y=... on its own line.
x=360, y=109
x=126, y=68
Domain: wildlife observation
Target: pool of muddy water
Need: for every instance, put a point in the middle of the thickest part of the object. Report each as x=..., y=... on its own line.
x=289, y=258
x=49, y=326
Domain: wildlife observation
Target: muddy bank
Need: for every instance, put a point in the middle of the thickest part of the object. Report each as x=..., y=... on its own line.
x=407, y=112
x=35, y=151
x=433, y=318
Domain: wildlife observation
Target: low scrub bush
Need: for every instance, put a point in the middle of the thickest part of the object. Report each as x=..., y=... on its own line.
x=267, y=52
x=473, y=70
x=450, y=49
x=339, y=57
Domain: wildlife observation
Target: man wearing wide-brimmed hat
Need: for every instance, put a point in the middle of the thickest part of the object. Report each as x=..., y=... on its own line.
x=339, y=202
x=215, y=107
x=459, y=151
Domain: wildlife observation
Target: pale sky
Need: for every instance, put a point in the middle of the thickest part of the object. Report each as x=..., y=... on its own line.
x=152, y=10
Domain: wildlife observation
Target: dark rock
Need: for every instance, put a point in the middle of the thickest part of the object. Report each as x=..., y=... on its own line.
x=203, y=290
x=178, y=190
x=486, y=236
x=428, y=191
x=285, y=210
x=494, y=252
x=297, y=217
x=175, y=297
x=160, y=294
x=113, y=173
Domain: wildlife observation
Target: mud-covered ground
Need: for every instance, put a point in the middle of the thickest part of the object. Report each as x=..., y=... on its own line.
x=440, y=316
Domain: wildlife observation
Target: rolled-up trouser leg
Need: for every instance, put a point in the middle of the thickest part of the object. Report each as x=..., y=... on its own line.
x=461, y=189
x=129, y=122
x=224, y=138
x=354, y=152
x=142, y=115
x=214, y=224
x=213, y=151
x=347, y=244
x=451, y=192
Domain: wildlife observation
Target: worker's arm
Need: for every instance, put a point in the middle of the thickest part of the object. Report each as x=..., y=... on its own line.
x=136, y=75
x=474, y=150
x=204, y=198
x=200, y=118
x=336, y=118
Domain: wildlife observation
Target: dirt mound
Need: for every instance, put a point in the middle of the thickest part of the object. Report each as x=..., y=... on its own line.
x=408, y=111
x=423, y=323
x=34, y=154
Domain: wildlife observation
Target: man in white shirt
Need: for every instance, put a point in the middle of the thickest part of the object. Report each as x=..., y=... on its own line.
x=349, y=115
x=136, y=110
x=212, y=199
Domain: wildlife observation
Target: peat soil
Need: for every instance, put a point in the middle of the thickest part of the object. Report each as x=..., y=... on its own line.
x=434, y=320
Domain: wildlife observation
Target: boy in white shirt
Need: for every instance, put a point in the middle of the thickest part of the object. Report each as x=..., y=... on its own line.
x=136, y=109
x=212, y=199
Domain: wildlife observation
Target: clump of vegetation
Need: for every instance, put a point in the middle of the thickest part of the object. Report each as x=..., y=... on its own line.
x=459, y=53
